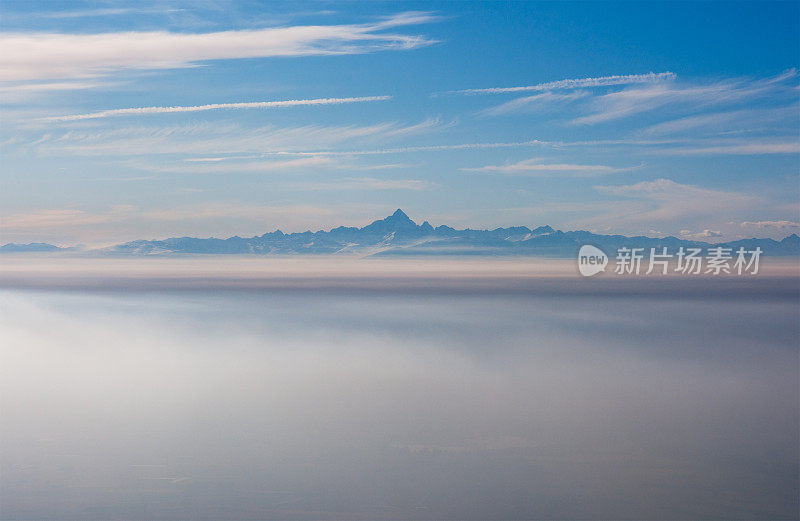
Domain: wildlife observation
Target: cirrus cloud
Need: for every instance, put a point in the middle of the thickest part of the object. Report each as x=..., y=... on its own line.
x=769, y=224
x=135, y=111
x=42, y=56
x=603, y=81
x=534, y=167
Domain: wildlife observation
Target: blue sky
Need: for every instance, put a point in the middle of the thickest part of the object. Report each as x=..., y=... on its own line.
x=149, y=120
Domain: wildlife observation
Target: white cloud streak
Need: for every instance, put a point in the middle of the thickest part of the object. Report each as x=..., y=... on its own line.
x=255, y=167
x=534, y=167
x=632, y=101
x=88, y=13
x=717, y=122
x=229, y=141
x=738, y=148
x=59, y=218
x=368, y=183
x=218, y=106
x=39, y=56
x=428, y=148
x=663, y=201
x=536, y=103
x=258, y=165
x=603, y=81
x=705, y=234
x=215, y=139
x=769, y=224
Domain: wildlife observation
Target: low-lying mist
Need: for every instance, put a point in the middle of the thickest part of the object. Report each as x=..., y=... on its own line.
x=546, y=399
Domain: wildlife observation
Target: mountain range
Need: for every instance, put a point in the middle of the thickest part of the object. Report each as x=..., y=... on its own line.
x=398, y=235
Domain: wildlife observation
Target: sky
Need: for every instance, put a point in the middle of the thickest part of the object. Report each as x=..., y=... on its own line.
x=141, y=120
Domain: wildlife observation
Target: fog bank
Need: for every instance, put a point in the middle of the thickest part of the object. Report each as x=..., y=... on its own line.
x=536, y=399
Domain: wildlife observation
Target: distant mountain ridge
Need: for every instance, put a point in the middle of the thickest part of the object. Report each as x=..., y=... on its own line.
x=30, y=247
x=398, y=235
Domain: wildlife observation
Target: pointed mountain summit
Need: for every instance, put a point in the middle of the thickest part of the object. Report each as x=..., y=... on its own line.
x=398, y=221
x=399, y=217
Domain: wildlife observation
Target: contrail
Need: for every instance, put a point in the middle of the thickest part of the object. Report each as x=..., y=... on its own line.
x=603, y=81
x=216, y=106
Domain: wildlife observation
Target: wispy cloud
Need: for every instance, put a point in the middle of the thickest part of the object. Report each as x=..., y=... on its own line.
x=628, y=102
x=92, y=13
x=534, y=167
x=716, y=122
x=259, y=164
x=40, y=56
x=59, y=218
x=546, y=101
x=102, y=227
x=222, y=210
x=768, y=224
x=427, y=148
x=12, y=89
x=384, y=166
x=738, y=147
x=205, y=159
x=674, y=208
x=218, y=167
x=602, y=81
x=217, y=139
x=218, y=106
x=693, y=146
x=227, y=141
x=654, y=146
x=368, y=183
x=663, y=201
x=705, y=234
